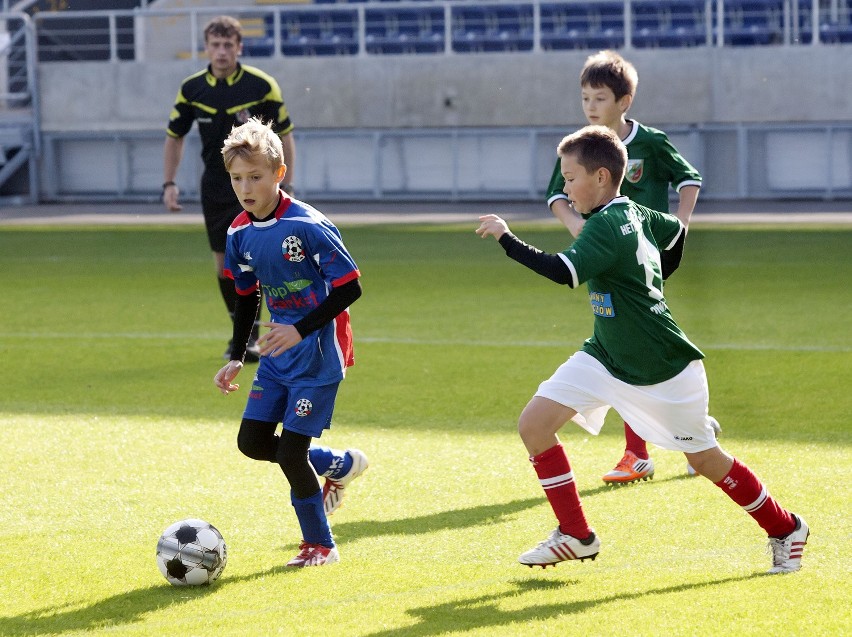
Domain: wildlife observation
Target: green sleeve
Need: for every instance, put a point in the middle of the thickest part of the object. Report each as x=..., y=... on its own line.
x=677, y=169
x=557, y=182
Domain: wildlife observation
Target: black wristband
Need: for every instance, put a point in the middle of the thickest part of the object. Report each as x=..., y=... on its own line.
x=167, y=184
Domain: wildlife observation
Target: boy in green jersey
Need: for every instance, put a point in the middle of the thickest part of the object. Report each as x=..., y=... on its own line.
x=638, y=361
x=608, y=84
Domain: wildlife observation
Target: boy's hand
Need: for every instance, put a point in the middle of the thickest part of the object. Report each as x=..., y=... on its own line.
x=224, y=376
x=278, y=339
x=491, y=225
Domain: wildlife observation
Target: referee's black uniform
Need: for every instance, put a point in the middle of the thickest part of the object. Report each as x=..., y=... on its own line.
x=218, y=105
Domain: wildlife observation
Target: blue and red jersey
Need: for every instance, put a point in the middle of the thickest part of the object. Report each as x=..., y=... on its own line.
x=296, y=257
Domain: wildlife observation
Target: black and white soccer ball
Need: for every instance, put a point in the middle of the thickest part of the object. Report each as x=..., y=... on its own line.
x=191, y=552
x=292, y=249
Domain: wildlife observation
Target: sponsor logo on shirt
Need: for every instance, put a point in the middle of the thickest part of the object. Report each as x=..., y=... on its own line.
x=290, y=295
x=635, y=168
x=659, y=308
x=602, y=304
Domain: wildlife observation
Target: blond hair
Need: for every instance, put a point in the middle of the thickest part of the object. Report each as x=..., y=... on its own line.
x=251, y=139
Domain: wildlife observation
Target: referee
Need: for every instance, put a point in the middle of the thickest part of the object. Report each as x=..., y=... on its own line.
x=224, y=95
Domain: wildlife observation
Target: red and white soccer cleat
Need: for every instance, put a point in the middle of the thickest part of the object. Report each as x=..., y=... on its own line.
x=314, y=555
x=560, y=547
x=787, y=551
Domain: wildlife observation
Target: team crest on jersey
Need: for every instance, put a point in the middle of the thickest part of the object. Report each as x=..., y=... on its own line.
x=635, y=168
x=303, y=407
x=292, y=250
x=243, y=116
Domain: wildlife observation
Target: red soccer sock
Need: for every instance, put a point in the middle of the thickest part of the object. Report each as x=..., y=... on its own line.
x=744, y=488
x=557, y=480
x=634, y=443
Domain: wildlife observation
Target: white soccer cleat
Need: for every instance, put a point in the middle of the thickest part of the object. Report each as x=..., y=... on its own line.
x=717, y=429
x=334, y=490
x=560, y=547
x=787, y=551
x=314, y=555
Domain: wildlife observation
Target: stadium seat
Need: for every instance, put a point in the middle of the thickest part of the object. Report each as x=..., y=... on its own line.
x=326, y=32
x=257, y=36
x=491, y=28
x=582, y=26
x=392, y=30
x=837, y=31
x=669, y=23
x=754, y=22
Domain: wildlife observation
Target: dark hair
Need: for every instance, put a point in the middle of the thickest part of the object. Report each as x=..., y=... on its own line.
x=596, y=147
x=224, y=26
x=609, y=69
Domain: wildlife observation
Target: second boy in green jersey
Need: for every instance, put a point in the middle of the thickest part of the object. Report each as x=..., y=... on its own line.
x=608, y=84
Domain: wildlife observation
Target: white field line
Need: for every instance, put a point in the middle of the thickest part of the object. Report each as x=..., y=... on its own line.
x=383, y=340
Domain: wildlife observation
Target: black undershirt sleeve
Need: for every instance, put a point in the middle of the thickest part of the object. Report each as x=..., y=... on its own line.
x=670, y=259
x=246, y=309
x=547, y=265
x=337, y=300
x=248, y=306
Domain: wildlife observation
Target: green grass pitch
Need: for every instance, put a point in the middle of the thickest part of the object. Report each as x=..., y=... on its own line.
x=112, y=429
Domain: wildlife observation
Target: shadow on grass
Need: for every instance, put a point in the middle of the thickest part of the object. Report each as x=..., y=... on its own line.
x=130, y=606
x=118, y=610
x=456, y=518
x=482, y=611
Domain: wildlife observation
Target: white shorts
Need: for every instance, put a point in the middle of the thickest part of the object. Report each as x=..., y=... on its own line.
x=672, y=414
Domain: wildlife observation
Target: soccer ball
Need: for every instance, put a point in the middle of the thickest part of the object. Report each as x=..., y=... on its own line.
x=191, y=552
x=292, y=249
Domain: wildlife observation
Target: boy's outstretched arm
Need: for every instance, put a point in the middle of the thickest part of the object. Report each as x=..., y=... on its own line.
x=491, y=226
x=547, y=265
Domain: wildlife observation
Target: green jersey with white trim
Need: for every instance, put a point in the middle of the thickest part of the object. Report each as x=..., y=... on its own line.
x=653, y=163
x=617, y=255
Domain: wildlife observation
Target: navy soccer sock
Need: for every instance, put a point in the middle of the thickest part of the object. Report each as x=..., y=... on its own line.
x=312, y=520
x=328, y=462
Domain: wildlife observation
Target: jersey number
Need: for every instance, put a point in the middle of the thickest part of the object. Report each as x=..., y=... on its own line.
x=648, y=256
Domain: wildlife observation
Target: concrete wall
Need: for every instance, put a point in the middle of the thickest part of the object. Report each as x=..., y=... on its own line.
x=687, y=86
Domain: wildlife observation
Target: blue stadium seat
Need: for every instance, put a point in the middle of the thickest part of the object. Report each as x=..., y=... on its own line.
x=326, y=32
x=492, y=28
x=754, y=22
x=837, y=31
x=582, y=26
x=391, y=30
x=669, y=23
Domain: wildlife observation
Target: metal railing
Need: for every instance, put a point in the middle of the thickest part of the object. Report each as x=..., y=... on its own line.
x=453, y=27
x=20, y=141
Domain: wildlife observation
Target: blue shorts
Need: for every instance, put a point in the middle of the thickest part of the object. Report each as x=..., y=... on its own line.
x=304, y=409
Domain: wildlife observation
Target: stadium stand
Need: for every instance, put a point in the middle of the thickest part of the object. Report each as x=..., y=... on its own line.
x=329, y=32
x=492, y=28
x=754, y=22
x=395, y=30
x=582, y=26
x=669, y=23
